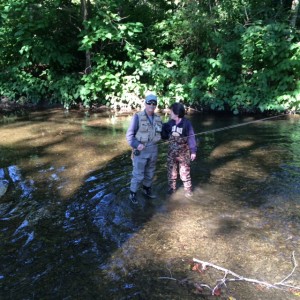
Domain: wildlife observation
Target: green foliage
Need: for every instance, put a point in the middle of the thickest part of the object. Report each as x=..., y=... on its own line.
x=236, y=55
x=66, y=90
x=270, y=68
x=116, y=69
x=243, y=68
x=36, y=40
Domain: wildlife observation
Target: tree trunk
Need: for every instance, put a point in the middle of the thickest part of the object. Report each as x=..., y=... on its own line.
x=85, y=5
x=294, y=10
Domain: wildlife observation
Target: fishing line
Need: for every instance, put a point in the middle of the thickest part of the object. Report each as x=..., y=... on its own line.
x=225, y=128
x=238, y=125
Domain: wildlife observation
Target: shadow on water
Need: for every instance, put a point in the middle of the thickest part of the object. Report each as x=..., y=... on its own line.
x=88, y=242
x=58, y=248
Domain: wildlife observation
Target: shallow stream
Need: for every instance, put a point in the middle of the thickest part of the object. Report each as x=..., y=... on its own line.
x=68, y=231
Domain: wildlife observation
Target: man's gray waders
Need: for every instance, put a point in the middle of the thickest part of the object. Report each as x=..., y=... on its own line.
x=144, y=167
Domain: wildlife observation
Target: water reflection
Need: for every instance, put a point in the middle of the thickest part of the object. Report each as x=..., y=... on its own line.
x=68, y=230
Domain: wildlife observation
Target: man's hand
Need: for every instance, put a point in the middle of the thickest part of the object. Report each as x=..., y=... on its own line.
x=140, y=147
x=193, y=156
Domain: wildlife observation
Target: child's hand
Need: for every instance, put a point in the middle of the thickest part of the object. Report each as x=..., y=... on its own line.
x=193, y=156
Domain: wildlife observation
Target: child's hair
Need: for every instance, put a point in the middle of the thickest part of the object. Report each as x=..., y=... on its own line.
x=178, y=109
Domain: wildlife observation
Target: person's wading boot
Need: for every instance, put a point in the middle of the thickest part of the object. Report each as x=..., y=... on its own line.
x=132, y=198
x=170, y=191
x=148, y=192
x=188, y=194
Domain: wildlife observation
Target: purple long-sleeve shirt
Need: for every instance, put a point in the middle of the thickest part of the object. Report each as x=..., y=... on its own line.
x=188, y=131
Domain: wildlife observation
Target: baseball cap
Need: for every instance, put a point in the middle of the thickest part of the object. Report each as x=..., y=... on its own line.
x=151, y=97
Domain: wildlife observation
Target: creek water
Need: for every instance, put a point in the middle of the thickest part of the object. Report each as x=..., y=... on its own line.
x=68, y=231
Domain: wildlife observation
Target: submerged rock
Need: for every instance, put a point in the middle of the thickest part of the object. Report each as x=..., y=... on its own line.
x=3, y=187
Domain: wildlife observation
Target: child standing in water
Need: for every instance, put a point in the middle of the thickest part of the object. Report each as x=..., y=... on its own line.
x=182, y=148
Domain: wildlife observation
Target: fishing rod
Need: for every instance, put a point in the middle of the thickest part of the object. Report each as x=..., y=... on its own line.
x=137, y=152
x=237, y=125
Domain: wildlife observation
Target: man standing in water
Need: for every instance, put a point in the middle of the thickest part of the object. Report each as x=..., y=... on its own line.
x=182, y=148
x=142, y=135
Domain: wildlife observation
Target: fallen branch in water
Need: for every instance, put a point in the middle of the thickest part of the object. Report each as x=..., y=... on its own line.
x=201, y=266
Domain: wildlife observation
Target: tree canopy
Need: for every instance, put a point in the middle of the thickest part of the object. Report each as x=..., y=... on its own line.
x=225, y=55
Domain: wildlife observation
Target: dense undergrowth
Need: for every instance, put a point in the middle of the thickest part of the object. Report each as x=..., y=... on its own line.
x=234, y=56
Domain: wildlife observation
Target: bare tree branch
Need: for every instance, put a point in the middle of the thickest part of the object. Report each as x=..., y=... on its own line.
x=281, y=285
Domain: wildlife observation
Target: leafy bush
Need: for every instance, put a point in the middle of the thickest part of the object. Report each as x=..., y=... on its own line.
x=229, y=55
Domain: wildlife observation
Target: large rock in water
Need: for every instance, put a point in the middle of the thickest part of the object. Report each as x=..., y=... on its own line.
x=3, y=187
x=3, y=183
